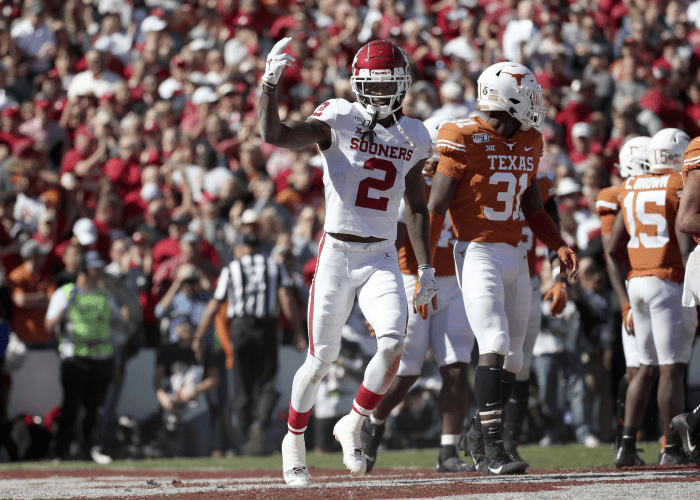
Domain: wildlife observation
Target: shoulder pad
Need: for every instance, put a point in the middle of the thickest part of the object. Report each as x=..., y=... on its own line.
x=451, y=136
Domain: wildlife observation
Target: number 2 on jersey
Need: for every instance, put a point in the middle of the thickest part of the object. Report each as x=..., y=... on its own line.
x=635, y=204
x=363, y=199
x=509, y=197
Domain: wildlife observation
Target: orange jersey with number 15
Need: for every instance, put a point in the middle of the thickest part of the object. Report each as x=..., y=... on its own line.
x=691, y=161
x=650, y=204
x=493, y=172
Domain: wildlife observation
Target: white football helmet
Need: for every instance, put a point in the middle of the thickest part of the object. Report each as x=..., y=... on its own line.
x=380, y=61
x=666, y=150
x=511, y=87
x=634, y=157
x=433, y=125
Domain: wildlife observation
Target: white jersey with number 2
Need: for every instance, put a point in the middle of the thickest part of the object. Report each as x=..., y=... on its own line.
x=365, y=181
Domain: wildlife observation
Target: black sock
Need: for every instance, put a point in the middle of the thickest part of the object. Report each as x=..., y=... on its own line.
x=621, y=397
x=488, y=387
x=694, y=418
x=515, y=408
x=476, y=423
x=506, y=391
x=629, y=438
x=673, y=441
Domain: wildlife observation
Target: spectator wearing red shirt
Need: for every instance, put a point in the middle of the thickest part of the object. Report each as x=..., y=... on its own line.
x=301, y=191
x=9, y=131
x=581, y=135
x=575, y=110
x=693, y=108
x=555, y=75
x=124, y=170
x=169, y=247
x=108, y=223
x=190, y=253
x=87, y=155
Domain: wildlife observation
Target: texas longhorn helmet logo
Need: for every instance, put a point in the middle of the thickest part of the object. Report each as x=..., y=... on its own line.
x=518, y=77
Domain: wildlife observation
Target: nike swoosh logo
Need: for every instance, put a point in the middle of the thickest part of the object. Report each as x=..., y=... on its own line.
x=528, y=149
x=496, y=471
x=690, y=447
x=491, y=404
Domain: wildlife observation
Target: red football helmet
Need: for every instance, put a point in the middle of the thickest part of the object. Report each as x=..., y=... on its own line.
x=380, y=73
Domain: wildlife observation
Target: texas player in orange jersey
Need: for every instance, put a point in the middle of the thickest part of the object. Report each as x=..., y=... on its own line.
x=485, y=177
x=515, y=407
x=663, y=328
x=688, y=424
x=634, y=160
x=444, y=330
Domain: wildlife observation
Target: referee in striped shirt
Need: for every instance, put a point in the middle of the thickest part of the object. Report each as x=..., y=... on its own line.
x=256, y=287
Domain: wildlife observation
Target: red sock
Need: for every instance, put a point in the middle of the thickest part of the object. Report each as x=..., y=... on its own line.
x=297, y=422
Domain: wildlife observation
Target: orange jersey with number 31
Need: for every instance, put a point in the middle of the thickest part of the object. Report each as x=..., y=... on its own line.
x=691, y=161
x=493, y=173
x=650, y=204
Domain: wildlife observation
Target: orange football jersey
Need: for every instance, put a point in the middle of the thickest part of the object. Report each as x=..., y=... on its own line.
x=548, y=191
x=691, y=161
x=650, y=203
x=444, y=257
x=607, y=205
x=493, y=172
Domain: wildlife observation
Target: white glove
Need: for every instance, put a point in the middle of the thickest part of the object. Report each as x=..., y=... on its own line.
x=276, y=61
x=428, y=286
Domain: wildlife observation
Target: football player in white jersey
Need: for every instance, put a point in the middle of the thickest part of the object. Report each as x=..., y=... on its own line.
x=445, y=331
x=372, y=157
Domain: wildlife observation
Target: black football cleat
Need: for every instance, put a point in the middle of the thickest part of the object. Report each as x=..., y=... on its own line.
x=371, y=437
x=448, y=460
x=472, y=444
x=498, y=463
x=626, y=458
x=690, y=438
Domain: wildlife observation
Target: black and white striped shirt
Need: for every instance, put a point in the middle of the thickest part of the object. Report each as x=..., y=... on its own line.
x=251, y=285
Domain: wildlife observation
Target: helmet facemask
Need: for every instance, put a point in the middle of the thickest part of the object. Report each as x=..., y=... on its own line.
x=381, y=94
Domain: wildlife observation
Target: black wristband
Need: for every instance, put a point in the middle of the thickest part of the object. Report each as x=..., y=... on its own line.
x=267, y=85
x=560, y=279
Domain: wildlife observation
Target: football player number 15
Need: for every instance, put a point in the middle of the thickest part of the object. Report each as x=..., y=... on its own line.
x=509, y=197
x=635, y=204
x=363, y=199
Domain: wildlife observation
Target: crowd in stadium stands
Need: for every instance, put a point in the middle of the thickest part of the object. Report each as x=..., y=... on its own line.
x=129, y=128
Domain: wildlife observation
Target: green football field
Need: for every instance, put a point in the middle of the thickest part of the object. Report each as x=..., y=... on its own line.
x=572, y=456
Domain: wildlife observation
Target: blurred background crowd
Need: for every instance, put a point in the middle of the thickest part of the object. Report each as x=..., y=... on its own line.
x=129, y=152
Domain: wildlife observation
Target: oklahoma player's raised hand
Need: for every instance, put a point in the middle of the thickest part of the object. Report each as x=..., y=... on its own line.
x=276, y=61
x=569, y=261
x=426, y=291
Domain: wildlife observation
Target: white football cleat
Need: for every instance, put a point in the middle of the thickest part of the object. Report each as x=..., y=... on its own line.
x=349, y=439
x=294, y=460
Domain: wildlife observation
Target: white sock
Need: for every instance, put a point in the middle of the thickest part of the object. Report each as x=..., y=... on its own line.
x=449, y=439
x=356, y=419
x=376, y=421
